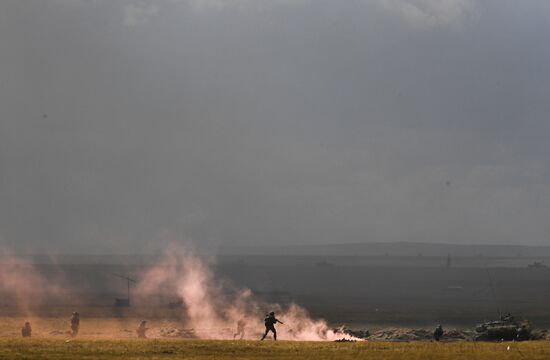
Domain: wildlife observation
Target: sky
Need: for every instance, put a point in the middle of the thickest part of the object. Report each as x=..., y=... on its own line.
x=127, y=125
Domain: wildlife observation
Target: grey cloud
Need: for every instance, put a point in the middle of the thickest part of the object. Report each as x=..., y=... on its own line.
x=138, y=13
x=324, y=122
x=430, y=13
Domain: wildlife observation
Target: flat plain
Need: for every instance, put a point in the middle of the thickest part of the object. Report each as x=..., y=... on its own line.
x=400, y=292
x=214, y=349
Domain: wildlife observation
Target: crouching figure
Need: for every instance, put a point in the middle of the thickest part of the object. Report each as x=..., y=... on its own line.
x=26, y=330
x=142, y=329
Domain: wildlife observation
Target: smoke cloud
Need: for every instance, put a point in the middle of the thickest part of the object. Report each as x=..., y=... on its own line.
x=210, y=307
x=213, y=307
x=25, y=287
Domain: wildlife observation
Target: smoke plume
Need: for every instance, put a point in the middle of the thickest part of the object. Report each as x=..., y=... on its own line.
x=213, y=307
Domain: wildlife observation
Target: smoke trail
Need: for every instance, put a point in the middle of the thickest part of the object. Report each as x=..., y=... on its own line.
x=213, y=309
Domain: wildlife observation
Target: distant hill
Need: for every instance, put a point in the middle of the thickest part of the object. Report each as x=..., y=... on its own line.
x=391, y=249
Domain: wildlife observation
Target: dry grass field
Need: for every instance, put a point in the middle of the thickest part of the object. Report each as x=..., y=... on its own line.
x=200, y=349
x=109, y=338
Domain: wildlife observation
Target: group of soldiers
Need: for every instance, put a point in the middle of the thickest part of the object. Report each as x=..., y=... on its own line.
x=269, y=321
x=26, y=330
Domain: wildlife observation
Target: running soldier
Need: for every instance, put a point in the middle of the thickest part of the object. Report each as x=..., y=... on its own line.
x=270, y=321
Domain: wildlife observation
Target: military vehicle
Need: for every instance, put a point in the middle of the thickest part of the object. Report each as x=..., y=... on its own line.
x=504, y=329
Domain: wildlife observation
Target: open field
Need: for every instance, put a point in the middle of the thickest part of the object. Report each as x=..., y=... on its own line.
x=360, y=296
x=191, y=349
x=395, y=291
x=91, y=328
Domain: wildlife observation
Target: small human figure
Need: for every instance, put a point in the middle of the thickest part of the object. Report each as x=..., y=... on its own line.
x=524, y=332
x=26, y=330
x=142, y=329
x=507, y=318
x=75, y=324
x=240, y=328
x=270, y=321
x=438, y=333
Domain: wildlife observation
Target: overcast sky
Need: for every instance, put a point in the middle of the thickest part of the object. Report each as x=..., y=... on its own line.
x=125, y=125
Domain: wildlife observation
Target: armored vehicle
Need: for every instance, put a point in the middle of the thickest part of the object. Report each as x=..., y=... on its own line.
x=504, y=329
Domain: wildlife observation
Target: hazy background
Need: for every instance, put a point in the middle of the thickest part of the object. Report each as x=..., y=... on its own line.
x=125, y=125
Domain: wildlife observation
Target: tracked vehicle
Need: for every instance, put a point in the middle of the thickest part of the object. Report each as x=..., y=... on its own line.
x=506, y=329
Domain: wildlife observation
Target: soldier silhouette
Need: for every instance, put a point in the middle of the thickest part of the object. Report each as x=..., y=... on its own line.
x=26, y=330
x=270, y=321
x=75, y=324
x=240, y=328
x=438, y=333
x=142, y=329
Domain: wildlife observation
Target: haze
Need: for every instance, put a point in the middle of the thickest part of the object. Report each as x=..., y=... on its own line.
x=126, y=125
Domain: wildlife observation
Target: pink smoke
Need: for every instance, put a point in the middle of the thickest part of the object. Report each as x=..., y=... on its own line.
x=27, y=287
x=214, y=310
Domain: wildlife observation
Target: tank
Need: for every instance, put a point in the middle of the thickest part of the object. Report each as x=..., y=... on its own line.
x=506, y=329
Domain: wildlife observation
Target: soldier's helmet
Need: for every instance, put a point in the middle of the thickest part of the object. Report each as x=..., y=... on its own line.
x=272, y=313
